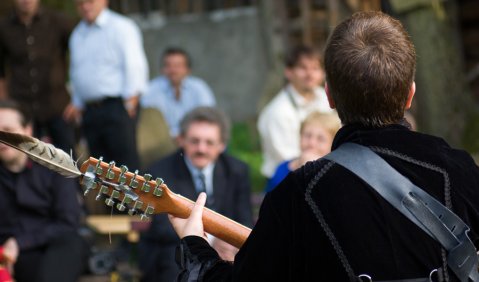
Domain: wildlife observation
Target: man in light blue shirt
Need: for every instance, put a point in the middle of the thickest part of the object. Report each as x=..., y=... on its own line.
x=108, y=71
x=176, y=92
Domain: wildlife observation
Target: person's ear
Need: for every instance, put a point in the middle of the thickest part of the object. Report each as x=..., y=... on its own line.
x=223, y=147
x=410, y=96
x=180, y=141
x=29, y=129
x=287, y=74
x=330, y=97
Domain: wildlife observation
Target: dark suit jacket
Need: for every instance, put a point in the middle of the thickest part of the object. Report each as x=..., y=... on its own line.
x=231, y=190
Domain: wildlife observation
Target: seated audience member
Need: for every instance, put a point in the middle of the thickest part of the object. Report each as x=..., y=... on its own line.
x=316, y=137
x=176, y=92
x=279, y=121
x=200, y=165
x=40, y=212
x=324, y=222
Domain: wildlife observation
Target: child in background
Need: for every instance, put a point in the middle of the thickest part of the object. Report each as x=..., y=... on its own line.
x=317, y=132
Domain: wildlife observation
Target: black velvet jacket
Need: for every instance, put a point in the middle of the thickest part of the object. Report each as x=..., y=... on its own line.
x=289, y=244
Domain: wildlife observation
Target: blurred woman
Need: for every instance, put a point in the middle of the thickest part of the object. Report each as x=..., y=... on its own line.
x=317, y=132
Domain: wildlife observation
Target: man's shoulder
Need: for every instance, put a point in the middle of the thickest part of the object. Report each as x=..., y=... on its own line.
x=195, y=80
x=232, y=162
x=6, y=22
x=166, y=163
x=278, y=107
x=198, y=84
x=47, y=175
x=121, y=21
x=158, y=81
x=158, y=86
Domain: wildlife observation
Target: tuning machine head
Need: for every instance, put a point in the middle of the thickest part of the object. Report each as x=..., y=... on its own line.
x=110, y=174
x=158, y=191
x=126, y=200
x=135, y=208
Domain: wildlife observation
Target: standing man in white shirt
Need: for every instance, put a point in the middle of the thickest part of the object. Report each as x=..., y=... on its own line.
x=279, y=121
x=108, y=71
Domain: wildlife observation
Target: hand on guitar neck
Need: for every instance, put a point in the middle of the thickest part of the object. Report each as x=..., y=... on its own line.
x=193, y=225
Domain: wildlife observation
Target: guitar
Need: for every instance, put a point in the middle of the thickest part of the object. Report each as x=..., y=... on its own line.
x=140, y=194
x=123, y=189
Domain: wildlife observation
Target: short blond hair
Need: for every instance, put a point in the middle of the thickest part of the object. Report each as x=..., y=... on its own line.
x=330, y=121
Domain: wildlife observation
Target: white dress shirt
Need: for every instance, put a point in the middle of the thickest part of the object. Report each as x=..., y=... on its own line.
x=279, y=123
x=107, y=59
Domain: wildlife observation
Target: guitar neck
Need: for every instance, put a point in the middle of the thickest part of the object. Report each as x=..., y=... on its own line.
x=214, y=223
x=151, y=197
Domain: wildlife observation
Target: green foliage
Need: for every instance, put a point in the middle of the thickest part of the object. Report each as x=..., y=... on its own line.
x=67, y=6
x=471, y=133
x=244, y=144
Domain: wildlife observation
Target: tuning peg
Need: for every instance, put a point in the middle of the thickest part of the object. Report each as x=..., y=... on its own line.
x=158, y=191
x=136, y=206
x=133, y=181
x=103, y=190
x=88, y=181
x=148, y=211
x=122, y=178
x=114, y=195
x=146, y=187
x=110, y=174
x=88, y=188
x=122, y=206
x=98, y=169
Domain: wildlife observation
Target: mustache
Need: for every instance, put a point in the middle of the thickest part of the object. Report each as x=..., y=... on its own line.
x=200, y=155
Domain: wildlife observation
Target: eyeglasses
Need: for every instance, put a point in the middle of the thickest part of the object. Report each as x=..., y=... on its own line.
x=197, y=141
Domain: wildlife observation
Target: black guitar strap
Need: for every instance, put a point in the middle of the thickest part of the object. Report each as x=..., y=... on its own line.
x=418, y=206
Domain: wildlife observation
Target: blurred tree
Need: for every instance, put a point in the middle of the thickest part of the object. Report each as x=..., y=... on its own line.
x=443, y=102
x=66, y=6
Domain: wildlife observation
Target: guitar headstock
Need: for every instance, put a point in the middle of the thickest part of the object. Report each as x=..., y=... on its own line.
x=124, y=189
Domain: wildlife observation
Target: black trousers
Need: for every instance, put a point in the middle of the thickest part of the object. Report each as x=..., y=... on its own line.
x=62, y=260
x=111, y=133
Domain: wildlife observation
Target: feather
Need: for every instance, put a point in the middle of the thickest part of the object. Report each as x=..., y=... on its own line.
x=42, y=153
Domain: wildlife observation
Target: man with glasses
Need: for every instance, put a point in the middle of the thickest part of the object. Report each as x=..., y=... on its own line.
x=200, y=165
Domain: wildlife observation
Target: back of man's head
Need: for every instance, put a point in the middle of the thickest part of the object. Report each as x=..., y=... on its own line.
x=370, y=64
